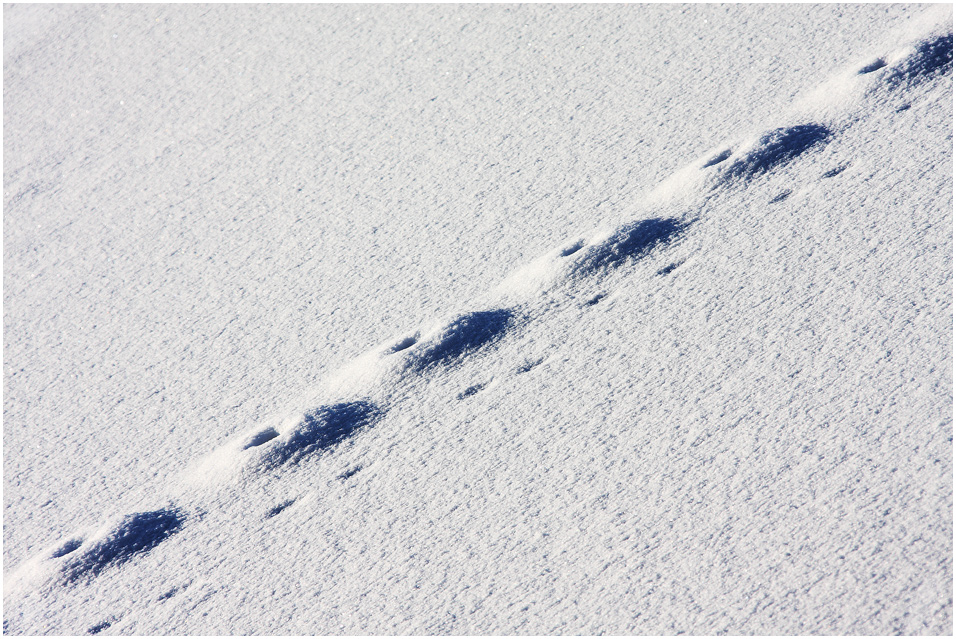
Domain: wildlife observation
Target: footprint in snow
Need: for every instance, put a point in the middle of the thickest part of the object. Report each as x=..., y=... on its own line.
x=462, y=336
x=930, y=57
x=314, y=431
x=83, y=557
x=774, y=149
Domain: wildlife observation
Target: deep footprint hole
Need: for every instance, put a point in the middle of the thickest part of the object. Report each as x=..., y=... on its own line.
x=720, y=157
x=876, y=65
x=404, y=343
x=574, y=248
x=350, y=472
x=66, y=548
x=261, y=438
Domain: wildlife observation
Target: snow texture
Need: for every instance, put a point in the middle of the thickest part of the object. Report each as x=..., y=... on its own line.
x=718, y=401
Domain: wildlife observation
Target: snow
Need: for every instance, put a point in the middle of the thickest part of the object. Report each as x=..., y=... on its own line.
x=478, y=320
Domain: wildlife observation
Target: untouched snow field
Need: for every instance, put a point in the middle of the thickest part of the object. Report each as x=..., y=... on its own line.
x=478, y=319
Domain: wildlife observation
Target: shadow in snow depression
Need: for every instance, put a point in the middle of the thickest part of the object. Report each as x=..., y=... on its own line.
x=318, y=430
x=633, y=240
x=464, y=334
x=776, y=148
x=135, y=534
x=931, y=56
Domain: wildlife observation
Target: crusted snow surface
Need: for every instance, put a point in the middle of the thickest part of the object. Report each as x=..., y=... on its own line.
x=280, y=356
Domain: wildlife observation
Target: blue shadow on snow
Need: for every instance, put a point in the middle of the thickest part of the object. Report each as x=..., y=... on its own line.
x=135, y=534
x=465, y=334
x=320, y=429
x=777, y=147
x=931, y=56
x=632, y=240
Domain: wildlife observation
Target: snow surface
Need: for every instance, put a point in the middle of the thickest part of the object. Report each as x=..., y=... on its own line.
x=478, y=319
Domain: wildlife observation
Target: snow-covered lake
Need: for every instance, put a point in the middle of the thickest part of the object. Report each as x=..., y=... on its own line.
x=500, y=319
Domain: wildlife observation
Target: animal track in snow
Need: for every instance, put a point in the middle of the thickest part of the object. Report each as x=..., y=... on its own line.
x=317, y=430
x=82, y=557
x=775, y=148
x=717, y=159
x=463, y=335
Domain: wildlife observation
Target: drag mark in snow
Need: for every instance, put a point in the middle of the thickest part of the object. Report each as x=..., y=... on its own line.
x=572, y=249
x=717, y=159
x=264, y=436
x=169, y=594
x=349, y=473
x=100, y=627
x=527, y=366
x=404, y=343
x=66, y=548
x=876, y=65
